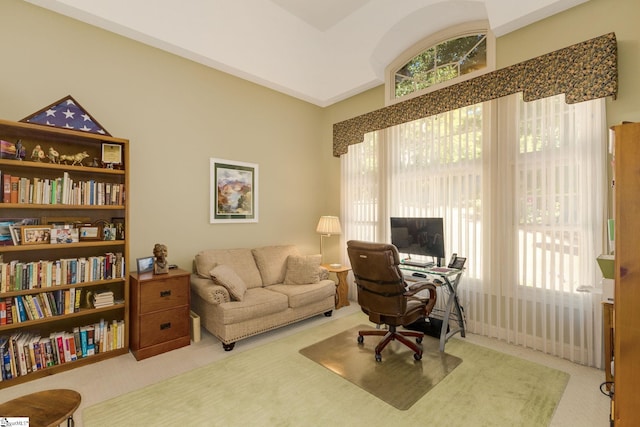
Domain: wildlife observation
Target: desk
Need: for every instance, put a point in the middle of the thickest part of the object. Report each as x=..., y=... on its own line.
x=342, y=289
x=450, y=279
x=44, y=408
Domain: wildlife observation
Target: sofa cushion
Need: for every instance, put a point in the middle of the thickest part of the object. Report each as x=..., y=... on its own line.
x=241, y=260
x=272, y=262
x=224, y=275
x=302, y=269
x=257, y=302
x=300, y=296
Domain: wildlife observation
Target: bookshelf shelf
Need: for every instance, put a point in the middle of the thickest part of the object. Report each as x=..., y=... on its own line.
x=95, y=283
x=83, y=184
x=61, y=246
x=81, y=313
x=60, y=206
x=62, y=167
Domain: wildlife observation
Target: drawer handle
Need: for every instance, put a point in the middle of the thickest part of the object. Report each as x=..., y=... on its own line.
x=165, y=293
x=164, y=326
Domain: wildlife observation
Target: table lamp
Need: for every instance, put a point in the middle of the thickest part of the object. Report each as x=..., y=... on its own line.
x=327, y=226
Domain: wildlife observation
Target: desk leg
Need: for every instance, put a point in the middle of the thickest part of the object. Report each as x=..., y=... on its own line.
x=342, y=291
x=452, y=303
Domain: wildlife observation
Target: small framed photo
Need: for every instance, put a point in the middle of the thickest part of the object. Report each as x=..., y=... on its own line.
x=145, y=265
x=35, y=234
x=16, y=234
x=112, y=154
x=118, y=223
x=109, y=233
x=89, y=232
x=61, y=234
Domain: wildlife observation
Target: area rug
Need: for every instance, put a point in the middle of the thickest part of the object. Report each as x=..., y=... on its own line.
x=398, y=379
x=275, y=385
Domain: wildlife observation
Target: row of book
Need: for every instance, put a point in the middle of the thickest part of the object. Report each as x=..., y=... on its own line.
x=23, y=308
x=25, y=352
x=62, y=190
x=17, y=275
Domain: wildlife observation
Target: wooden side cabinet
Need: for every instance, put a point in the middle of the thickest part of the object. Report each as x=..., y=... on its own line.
x=159, y=312
x=626, y=321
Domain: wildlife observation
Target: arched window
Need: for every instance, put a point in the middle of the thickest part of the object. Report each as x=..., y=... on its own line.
x=448, y=57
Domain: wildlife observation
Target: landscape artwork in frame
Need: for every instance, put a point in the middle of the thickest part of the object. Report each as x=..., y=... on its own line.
x=234, y=191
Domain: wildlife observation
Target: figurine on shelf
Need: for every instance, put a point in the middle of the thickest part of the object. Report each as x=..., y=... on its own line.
x=37, y=154
x=53, y=155
x=160, y=264
x=20, y=150
x=75, y=159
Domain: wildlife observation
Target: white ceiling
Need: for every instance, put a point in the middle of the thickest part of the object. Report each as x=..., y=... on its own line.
x=320, y=51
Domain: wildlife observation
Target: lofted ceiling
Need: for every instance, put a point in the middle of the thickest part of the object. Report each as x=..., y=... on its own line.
x=320, y=51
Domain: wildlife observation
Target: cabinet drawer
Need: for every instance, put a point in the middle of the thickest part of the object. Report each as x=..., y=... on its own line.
x=166, y=293
x=162, y=326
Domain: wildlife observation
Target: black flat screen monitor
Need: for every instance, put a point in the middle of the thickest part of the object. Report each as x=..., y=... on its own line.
x=420, y=237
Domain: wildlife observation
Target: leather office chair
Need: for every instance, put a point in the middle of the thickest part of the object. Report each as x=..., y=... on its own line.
x=383, y=294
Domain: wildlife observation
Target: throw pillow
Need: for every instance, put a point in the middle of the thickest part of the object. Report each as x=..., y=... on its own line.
x=224, y=275
x=302, y=269
x=272, y=262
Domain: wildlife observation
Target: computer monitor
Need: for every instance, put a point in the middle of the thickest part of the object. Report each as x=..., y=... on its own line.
x=422, y=237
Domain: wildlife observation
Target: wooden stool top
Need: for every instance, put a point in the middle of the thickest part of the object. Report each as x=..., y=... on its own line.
x=46, y=408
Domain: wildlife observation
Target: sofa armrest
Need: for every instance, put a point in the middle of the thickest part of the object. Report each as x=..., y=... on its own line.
x=209, y=291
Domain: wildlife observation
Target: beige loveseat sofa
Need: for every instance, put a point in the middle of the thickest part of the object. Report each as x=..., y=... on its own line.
x=239, y=293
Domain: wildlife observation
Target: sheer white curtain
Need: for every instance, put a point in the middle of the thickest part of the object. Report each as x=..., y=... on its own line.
x=521, y=188
x=551, y=190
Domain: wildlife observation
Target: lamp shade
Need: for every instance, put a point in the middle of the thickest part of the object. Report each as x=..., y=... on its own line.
x=329, y=225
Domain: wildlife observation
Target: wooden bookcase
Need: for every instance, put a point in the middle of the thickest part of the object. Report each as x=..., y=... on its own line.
x=626, y=324
x=86, y=208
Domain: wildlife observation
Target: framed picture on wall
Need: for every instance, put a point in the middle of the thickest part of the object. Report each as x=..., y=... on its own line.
x=233, y=191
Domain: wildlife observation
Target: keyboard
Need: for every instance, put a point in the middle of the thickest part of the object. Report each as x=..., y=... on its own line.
x=443, y=269
x=418, y=264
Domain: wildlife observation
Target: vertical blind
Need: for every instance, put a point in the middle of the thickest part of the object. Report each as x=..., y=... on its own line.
x=521, y=188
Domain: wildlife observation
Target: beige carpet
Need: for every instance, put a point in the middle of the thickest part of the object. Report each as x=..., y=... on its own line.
x=274, y=385
x=398, y=380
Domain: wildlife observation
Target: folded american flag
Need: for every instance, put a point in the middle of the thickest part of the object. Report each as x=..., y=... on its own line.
x=66, y=113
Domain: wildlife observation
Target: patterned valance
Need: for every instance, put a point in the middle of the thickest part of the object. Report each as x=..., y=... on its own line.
x=584, y=71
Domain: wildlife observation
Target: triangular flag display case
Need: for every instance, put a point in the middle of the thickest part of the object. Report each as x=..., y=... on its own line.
x=59, y=246
x=66, y=113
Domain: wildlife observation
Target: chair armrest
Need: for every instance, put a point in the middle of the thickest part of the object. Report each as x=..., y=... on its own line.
x=414, y=288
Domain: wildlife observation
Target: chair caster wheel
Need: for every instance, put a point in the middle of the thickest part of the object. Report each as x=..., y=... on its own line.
x=417, y=356
x=378, y=358
x=360, y=339
x=419, y=340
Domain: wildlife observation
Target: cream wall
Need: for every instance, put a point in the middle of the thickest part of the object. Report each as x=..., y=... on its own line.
x=176, y=114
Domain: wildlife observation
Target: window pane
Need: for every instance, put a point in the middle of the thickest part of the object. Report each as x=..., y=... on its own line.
x=440, y=63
